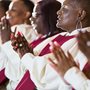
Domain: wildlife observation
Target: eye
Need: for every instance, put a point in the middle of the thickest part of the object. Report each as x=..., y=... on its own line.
x=12, y=9
x=64, y=9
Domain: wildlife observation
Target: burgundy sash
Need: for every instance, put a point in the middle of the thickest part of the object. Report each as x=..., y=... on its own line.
x=2, y=76
x=36, y=42
x=26, y=83
x=86, y=70
x=59, y=39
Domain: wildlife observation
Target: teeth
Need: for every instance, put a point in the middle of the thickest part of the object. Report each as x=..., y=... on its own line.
x=8, y=17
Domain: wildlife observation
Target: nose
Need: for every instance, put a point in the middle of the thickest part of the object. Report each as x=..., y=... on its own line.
x=8, y=12
x=58, y=12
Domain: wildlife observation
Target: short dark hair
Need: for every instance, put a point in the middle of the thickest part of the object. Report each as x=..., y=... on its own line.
x=49, y=10
x=84, y=5
x=5, y=4
x=29, y=4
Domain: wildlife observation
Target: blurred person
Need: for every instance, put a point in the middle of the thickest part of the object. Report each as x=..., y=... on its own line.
x=44, y=21
x=72, y=17
x=4, y=5
x=83, y=43
x=44, y=77
x=18, y=19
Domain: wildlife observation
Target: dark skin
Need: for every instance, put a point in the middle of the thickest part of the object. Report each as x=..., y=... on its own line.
x=5, y=29
x=20, y=44
x=36, y=20
x=61, y=65
x=16, y=15
x=68, y=15
x=64, y=62
x=83, y=38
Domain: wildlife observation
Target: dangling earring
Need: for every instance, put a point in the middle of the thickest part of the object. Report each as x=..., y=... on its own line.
x=79, y=24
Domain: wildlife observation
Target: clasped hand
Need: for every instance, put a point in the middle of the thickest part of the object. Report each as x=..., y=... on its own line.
x=20, y=44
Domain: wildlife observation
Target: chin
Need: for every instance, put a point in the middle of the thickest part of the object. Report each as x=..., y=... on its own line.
x=58, y=25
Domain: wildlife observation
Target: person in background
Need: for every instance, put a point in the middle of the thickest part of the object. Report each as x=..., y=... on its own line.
x=18, y=19
x=4, y=5
x=72, y=17
x=84, y=45
x=44, y=19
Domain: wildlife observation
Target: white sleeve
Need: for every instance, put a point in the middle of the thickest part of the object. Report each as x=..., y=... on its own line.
x=42, y=74
x=77, y=79
x=34, y=64
x=3, y=59
x=14, y=70
x=65, y=87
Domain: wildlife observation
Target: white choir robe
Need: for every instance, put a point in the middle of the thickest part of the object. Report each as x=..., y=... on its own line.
x=10, y=60
x=43, y=75
x=45, y=78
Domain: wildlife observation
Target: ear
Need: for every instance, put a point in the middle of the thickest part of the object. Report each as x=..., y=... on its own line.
x=28, y=14
x=82, y=14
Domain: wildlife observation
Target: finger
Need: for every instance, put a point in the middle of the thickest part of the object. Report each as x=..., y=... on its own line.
x=52, y=63
x=6, y=23
x=71, y=60
x=56, y=53
x=15, y=31
x=70, y=56
x=81, y=37
x=62, y=54
x=60, y=51
x=51, y=46
x=88, y=35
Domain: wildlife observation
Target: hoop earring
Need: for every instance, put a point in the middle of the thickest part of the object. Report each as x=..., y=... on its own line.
x=79, y=24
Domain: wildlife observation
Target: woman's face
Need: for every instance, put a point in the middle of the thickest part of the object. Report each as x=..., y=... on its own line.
x=16, y=13
x=37, y=20
x=67, y=16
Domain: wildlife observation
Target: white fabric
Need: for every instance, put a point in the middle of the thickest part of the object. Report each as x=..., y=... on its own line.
x=26, y=30
x=44, y=76
x=10, y=60
x=3, y=59
x=77, y=79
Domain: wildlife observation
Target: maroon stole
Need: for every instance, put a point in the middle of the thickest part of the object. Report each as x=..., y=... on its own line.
x=26, y=83
x=2, y=76
x=36, y=42
x=59, y=39
x=86, y=70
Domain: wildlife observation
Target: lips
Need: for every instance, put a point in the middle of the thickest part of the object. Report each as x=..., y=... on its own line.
x=59, y=20
x=8, y=17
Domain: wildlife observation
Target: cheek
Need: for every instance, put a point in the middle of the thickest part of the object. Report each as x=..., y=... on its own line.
x=39, y=24
x=69, y=19
x=14, y=21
